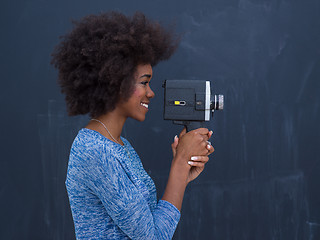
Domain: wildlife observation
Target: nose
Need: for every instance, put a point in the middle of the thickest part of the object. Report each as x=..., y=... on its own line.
x=150, y=93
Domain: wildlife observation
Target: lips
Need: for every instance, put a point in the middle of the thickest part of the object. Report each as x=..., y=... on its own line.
x=146, y=105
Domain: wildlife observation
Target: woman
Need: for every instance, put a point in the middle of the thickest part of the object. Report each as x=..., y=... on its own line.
x=105, y=67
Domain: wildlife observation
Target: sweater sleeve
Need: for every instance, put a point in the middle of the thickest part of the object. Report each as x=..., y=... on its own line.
x=126, y=205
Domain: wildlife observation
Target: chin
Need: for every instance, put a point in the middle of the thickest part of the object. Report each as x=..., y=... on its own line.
x=140, y=118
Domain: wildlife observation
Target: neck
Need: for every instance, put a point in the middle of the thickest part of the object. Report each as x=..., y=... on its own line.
x=112, y=121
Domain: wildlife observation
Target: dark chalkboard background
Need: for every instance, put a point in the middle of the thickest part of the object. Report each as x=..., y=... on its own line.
x=264, y=56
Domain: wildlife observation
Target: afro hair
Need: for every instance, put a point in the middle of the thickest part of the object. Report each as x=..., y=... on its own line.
x=98, y=58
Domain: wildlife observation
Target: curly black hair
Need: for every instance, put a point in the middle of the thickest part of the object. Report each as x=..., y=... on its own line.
x=98, y=58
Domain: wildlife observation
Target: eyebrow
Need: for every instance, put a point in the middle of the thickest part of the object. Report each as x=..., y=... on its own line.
x=146, y=75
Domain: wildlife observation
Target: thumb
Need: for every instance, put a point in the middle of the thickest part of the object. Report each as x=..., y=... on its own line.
x=174, y=145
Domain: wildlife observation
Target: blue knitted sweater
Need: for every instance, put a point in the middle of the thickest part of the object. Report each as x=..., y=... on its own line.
x=111, y=195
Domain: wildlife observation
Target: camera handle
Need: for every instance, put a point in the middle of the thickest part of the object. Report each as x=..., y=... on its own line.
x=191, y=125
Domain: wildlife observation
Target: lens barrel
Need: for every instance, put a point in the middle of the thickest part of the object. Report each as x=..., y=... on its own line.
x=217, y=102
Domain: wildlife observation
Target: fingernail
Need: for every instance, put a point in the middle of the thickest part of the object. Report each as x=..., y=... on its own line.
x=175, y=137
x=194, y=158
x=211, y=132
x=190, y=163
x=209, y=146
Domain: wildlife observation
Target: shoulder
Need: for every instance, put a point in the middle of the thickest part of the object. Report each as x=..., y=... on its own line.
x=87, y=140
x=90, y=146
x=127, y=143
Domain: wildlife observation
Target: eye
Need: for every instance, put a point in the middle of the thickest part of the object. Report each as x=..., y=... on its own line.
x=145, y=83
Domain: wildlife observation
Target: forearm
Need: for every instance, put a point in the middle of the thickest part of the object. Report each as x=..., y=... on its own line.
x=177, y=183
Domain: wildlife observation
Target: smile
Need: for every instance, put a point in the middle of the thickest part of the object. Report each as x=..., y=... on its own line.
x=144, y=105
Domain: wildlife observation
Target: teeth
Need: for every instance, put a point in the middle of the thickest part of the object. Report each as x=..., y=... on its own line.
x=145, y=105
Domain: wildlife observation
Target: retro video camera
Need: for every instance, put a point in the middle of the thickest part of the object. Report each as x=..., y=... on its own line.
x=190, y=102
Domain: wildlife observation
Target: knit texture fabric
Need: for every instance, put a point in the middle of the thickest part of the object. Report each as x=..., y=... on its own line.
x=111, y=195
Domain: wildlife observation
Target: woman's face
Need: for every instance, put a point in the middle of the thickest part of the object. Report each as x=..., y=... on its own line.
x=137, y=105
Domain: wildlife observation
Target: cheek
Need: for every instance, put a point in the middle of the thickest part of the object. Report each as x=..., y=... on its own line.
x=138, y=93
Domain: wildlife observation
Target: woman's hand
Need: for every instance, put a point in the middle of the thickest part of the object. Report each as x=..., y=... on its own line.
x=176, y=141
x=199, y=155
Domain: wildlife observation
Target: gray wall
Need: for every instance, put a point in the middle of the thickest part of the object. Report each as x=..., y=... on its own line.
x=264, y=56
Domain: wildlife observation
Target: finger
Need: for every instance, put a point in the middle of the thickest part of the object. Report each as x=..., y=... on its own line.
x=174, y=145
x=210, y=149
x=175, y=141
x=205, y=137
x=203, y=131
x=203, y=159
x=196, y=164
x=183, y=132
x=210, y=134
x=204, y=149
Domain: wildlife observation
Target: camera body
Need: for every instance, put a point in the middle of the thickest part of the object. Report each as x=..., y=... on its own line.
x=190, y=102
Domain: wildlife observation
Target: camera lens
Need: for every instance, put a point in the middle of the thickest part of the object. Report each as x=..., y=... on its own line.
x=217, y=102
